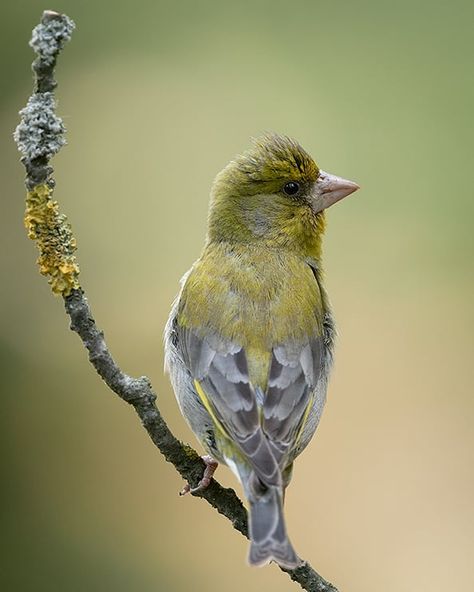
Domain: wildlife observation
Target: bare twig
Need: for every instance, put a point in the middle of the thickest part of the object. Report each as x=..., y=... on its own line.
x=39, y=136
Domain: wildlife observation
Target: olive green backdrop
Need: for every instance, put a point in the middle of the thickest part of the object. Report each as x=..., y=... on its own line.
x=157, y=97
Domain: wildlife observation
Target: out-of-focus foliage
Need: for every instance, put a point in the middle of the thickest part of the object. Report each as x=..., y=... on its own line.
x=157, y=97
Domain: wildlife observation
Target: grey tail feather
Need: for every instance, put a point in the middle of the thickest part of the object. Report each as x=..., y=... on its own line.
x=268, y=538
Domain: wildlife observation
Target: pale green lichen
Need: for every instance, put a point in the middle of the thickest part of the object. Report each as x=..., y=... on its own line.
x=40, y=132
x=53, y=236
x=50, y=35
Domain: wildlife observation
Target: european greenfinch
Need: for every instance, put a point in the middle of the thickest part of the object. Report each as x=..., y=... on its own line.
x=249, y=342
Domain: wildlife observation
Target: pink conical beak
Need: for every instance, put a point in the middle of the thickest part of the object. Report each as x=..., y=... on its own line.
x=331, y=189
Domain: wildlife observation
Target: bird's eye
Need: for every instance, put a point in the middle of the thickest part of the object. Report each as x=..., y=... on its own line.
x=291, y=188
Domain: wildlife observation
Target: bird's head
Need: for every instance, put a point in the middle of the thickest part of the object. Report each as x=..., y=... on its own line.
x=274, y=192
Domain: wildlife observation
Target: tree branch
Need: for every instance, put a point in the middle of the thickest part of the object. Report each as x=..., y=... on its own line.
x=39, y=136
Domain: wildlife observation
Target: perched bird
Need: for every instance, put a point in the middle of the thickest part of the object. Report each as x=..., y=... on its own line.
x=249, y=342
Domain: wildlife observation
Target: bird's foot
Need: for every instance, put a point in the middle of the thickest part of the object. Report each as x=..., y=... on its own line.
x=211, y=466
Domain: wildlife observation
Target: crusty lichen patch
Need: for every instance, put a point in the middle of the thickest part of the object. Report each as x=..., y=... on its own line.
x=40, y=131
x=53, y=236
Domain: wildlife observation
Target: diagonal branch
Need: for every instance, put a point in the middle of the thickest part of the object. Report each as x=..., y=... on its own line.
x=39, y=136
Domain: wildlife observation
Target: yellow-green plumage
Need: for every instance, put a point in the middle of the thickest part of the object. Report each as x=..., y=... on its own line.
x=252, y=288
x=250, y=277
x=249, y=341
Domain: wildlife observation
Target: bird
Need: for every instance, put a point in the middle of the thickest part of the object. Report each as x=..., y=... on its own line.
x=250, y=338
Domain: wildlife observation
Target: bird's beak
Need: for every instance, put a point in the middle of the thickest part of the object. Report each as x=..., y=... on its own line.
x=329, y=189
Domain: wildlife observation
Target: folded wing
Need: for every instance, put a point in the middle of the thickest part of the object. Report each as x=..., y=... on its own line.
x=264, y=425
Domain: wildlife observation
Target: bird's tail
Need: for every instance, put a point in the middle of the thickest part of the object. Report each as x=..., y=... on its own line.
x=268, y=538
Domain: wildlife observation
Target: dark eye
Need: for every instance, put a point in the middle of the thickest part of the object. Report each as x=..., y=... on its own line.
x=291, y=188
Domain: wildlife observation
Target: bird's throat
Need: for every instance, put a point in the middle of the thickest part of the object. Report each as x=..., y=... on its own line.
x=271, y=224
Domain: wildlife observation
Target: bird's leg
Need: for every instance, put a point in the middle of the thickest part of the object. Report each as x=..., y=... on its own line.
x=211, y=466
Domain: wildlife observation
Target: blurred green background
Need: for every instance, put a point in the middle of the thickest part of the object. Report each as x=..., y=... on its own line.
x=157, y=97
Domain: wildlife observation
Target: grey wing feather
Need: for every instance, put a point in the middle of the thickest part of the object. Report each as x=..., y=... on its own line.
x=294, y=374
x=221, y=369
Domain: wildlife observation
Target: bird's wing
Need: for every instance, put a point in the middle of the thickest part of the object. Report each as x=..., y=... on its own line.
x=264, y=425
x=221, y=378
x=294, y=373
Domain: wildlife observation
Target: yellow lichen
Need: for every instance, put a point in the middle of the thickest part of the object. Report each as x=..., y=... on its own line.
x=53, y=236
